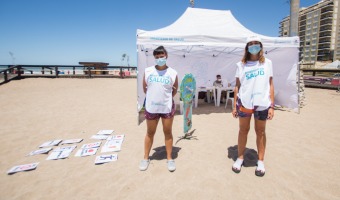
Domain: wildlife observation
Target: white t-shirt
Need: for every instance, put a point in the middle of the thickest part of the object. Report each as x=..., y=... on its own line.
x=159, y=89
x=255, y=88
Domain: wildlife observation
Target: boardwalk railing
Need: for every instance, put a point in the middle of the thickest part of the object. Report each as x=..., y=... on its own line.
x=9, y=72
x=328, y=78
x=318, y=70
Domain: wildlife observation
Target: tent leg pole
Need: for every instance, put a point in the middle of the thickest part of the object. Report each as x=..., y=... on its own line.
x=298, y=66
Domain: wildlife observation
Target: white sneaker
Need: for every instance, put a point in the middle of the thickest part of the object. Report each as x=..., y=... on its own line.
x=171, y=165
x=144, y=164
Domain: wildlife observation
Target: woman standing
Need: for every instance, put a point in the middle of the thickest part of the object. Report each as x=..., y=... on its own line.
x=254, y=94
x=160, y=85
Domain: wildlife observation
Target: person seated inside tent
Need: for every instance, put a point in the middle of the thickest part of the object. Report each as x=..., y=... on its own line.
x=219, y=83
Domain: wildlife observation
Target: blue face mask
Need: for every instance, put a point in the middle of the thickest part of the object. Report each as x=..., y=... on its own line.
x=254, y=49
x=161, y=61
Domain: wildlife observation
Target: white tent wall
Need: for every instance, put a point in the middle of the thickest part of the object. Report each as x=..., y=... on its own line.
x=210, y=42
x=205, y=67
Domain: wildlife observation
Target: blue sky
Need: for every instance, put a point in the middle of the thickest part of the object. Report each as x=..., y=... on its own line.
x=65, y=32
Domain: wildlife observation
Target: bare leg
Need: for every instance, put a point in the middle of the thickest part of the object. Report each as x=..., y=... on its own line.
x=150, y=133
x=244, y=123
x=242, y=135
x=167, y=129
x=260, y=129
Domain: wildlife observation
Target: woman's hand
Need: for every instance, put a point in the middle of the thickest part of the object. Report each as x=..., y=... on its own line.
x=234, y=113
x=270, y=113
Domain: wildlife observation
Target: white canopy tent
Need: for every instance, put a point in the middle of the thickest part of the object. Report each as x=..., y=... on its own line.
x=209, y=42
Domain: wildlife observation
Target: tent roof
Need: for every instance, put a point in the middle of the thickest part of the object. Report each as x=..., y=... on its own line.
x=199, y=26
x=196, y=21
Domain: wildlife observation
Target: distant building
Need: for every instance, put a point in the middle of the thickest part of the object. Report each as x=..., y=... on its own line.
x=319, y=31
x=96, y=67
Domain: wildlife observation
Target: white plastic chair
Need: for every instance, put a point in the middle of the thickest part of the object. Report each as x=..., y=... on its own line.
x=229, y=98
x=209, y=97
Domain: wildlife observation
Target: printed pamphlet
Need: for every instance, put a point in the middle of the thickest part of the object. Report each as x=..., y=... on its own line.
x=105, y=158
x=61, y=152
x=86, y=152
x=40, y=151
x=50, y=143
x=71, y=141
x=105, y=132
x=99, y=137
x=24, y=167
x=91, y=145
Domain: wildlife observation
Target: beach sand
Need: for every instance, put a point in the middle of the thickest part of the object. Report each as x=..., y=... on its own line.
x=302, y=159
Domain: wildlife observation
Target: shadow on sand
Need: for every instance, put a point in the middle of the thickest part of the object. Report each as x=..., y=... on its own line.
x=250, y=156
x=160, y=153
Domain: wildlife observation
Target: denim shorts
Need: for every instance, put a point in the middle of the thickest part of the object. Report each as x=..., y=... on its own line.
x=156, y=116
x=260, y=115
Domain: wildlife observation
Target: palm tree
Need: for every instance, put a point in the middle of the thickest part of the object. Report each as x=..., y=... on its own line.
x=127, y=61
x=192, y=3
x=125, y=56
x=12, y=56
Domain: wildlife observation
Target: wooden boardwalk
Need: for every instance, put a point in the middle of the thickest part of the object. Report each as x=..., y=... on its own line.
x=20, y=72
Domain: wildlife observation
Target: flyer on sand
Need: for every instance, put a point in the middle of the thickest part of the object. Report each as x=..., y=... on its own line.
x=50, y=143
x=20, y=168
x=86, y=152
x=91, y=145
x=99, y=137
x=105, y=158
x=71, y=141
x=61, y=152
x=116, y=137
x=112, y=145
x=40, y=151
x=105, y=132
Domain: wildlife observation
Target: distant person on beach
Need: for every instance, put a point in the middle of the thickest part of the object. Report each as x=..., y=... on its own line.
x=253, y=94
x=160, y=83
x=219, y=83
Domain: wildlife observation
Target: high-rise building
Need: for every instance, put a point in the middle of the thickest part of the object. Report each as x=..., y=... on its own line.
x=319, y=31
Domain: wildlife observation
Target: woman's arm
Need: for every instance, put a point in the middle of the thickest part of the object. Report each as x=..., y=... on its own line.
x=236, y=89
x=271, y=90
x=175, y=87
x=271, y=93
x=144, y=84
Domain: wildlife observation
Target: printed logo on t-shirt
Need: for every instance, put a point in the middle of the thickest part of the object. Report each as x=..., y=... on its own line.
x=254, y=73
x=158, y=103
x=255, y=94
x=159, y=79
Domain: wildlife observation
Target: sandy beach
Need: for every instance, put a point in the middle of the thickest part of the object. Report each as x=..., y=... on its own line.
x=302, y=159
